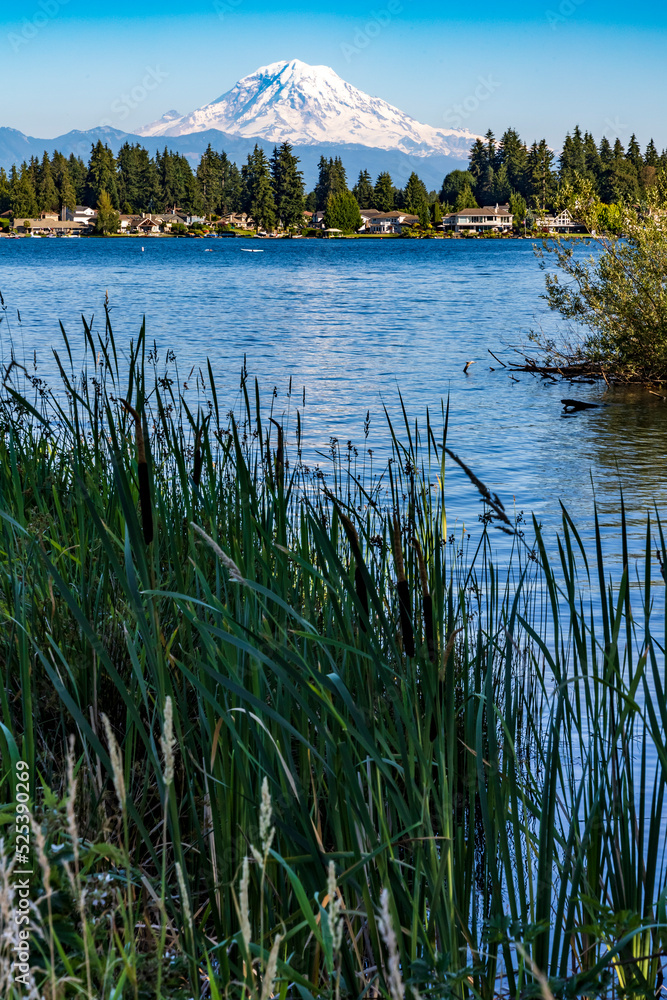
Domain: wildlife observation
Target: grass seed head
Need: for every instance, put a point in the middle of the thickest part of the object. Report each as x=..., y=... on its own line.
x=396, y=987
x=116, y=763
x=168, y=742
x=244, y=905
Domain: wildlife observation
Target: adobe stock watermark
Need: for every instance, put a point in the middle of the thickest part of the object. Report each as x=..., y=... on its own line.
x=458, y=113
x=130, y=101
x=46, y=11
x=615, y=127
x=565, y=9
x=225, y=7
x=373, y=26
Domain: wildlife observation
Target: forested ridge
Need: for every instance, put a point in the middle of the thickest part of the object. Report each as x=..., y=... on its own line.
x=272, y=191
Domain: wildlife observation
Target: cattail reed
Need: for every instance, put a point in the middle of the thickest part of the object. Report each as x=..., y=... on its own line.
x=196, y=471
x=427, y=603
x=359, y=581
x=280, y=455
x=403, y=592
x=144, y=483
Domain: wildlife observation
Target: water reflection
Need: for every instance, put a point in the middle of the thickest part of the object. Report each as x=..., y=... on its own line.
x=353, y=321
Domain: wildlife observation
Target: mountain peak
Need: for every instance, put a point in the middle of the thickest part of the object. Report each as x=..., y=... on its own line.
x=291, y=101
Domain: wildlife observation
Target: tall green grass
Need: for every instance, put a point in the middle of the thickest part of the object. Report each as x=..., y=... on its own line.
x=464, y=764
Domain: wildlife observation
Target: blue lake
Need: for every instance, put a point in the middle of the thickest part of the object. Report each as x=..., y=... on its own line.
x=352, y=321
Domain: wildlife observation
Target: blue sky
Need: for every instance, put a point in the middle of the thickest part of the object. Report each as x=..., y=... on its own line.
x=552, y=63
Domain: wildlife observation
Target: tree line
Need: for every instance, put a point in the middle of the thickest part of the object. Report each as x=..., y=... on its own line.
x=271, y=189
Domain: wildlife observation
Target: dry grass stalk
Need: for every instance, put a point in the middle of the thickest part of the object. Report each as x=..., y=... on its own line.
x=168, y=742
x=244, y=906
x=116, y=763
x=396, y=987
x=234, y=572
x=271, y=969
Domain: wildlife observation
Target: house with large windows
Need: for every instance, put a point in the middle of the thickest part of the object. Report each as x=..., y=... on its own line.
x=490, y=219
x=562, y=222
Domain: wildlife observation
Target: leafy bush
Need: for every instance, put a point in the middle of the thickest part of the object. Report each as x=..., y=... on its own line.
x=618, y=295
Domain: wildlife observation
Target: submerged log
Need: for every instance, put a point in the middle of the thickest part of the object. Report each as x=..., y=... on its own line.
x=572, y=405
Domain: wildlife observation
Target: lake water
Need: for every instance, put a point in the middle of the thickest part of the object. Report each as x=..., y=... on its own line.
x=352, y=321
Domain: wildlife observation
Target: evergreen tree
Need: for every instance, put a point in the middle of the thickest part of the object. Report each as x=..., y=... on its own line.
x=63, y=181
x=485, y=189
x=502, y=186
x=209, y=178
x=518, y=208
x=33, y=171
x=258, y=199
x=5, y=191
x=383, y=193
x=651, y=158
x=139, y=187
x=634, y=154
x=623, y=181
x=101, y=176
x=342, y=212
x=465, y=199
x=77, y=172
x=179, y=187
x=107, y=220
x=332, y=180
x=363, y=191
x=415, y=195
x=573, y=157
x=232, y=193
x=287, y=186
x=47, y=193
x=66, y=192
x=23, y=197
x=436, y=213
x=478, y=159
x=606, y=152
x=541, y=178
x=491, y=154
x=513, y=156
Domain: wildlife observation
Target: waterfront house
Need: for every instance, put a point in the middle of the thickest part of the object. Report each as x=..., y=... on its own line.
x=52, y=227
x=367, y=216
x=129, y=223
x=239, y=220
x=81, y=213
x=390, y=222
x=490, y=219
x=560, y=223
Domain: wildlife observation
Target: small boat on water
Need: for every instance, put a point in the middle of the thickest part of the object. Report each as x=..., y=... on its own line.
x=245, y=250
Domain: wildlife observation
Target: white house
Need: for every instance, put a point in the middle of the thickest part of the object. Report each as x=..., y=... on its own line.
x=391, y=222
x=489, y=219
x=81, y=213
x=561, y=223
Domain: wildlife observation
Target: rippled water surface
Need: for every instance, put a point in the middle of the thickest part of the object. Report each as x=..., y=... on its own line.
x=353, y=321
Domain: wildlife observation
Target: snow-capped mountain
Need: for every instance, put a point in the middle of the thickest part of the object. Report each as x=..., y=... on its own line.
x=311, y=105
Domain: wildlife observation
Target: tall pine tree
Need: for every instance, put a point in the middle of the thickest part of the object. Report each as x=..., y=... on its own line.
x=287, y=182
x=383, y=193
x=363, y=191
x=101, y=176
x=258, y=199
